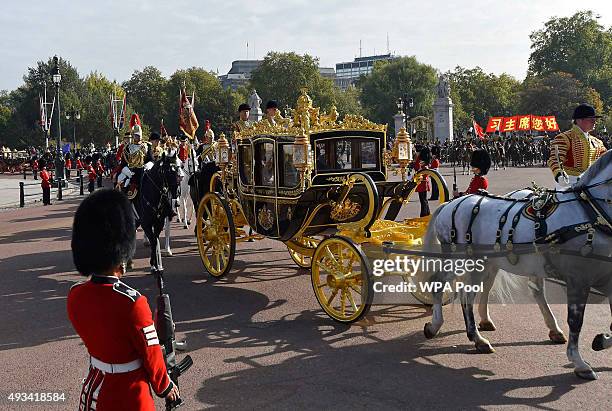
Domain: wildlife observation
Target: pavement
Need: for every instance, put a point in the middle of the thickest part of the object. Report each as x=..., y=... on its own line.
x=9, y=190
x=259, y=339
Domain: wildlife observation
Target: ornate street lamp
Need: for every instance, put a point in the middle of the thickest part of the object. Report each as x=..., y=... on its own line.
x=59, y=159
x=404, y=151
x=74, y=115
x=405, y=105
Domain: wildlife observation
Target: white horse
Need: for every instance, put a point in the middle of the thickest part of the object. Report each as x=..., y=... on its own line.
x=185, y=205
x=588, y=202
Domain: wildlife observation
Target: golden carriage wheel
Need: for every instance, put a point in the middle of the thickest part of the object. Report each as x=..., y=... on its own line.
x=340, y=277
x=216, y=235
x=301, y=260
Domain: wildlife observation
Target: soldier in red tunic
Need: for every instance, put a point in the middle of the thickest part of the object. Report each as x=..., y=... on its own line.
x=45, y=184
x=480, y=163
x=99, y=172
x=421, y=162
x=113, y=320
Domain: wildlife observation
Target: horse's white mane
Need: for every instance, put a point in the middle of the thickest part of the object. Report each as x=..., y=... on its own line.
x=594, y=171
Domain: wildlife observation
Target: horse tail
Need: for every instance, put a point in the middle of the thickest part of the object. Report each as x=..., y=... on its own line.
x=505, y=286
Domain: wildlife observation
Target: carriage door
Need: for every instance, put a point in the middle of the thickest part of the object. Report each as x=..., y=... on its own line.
x=266, y=183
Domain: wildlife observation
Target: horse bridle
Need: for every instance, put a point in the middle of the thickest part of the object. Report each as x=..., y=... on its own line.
x=163, y=190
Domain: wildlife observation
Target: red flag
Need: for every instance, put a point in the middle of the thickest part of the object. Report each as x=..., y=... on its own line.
x=188, y=121
x=478, y=130
x=494, y=124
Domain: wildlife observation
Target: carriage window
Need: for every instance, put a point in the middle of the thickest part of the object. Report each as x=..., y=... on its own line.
x=322, y=156
x=343, y=155
x=246, y=165
x=289, y=173
x=368, y=152
x=264, y=164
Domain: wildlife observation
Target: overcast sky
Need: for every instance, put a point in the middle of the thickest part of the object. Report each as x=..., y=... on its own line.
x=117, y=37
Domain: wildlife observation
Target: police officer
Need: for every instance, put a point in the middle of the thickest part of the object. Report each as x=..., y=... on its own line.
x=113, y=320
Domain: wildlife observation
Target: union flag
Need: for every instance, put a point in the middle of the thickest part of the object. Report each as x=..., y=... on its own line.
x=188, y=122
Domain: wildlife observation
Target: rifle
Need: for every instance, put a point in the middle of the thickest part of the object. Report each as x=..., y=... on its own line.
x=165, y=331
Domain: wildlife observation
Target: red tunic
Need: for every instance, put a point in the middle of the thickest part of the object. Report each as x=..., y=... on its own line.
x=79, y=164
x=119, y=152
x=68, y=164
x=477, y=183
x=35, y=165
x=183, y=152
x=92, y=173
x=423, y=185
x=115, y=323
x=99, y=168
x=44, y=179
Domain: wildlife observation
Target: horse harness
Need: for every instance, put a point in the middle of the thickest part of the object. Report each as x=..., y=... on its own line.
x=538, y=206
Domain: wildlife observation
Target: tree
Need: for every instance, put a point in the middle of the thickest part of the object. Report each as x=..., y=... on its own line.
x=347, y=102
x=146, y=91
x=556, y=94
x=281, y=76
x=482, y=95
x=391, y=79
x=578, y=45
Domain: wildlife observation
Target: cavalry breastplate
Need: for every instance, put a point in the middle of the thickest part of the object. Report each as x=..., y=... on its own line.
x=135, y=155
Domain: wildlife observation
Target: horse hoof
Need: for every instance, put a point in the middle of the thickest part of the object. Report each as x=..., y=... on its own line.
x=586, y=374
x=598, y=342
x=185, y=226
x=427, y=331
x=168, y=252
x=557, y=337
x=188, y=222
x=486, y=326
x=484, y=348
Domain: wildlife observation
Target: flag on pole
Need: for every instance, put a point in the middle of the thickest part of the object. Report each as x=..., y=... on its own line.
x=478, y=130
x=162, y=129
x=188, y=122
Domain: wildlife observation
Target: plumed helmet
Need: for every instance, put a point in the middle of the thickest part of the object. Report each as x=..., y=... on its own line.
x=425, y=154
x=137, y=130
x=481, y=160
x=108, y=214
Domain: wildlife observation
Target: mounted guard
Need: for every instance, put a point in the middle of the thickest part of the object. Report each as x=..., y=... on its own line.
x=134, y=157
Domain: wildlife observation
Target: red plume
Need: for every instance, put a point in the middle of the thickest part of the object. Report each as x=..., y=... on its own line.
x=134, y=120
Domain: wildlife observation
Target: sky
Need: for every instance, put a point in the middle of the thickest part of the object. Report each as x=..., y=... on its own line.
x=116, y=38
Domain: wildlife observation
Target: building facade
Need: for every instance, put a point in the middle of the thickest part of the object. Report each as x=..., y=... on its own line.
x=347, y=73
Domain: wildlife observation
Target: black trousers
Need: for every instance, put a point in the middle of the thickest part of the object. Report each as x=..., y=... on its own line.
x=46, y=196
x=99, y=181
x=424, y=204
x=35, y=174
x=435, y=195
x=67, y=173
x=92, y=186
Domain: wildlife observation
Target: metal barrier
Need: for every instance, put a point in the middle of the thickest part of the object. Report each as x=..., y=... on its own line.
x=59, y=190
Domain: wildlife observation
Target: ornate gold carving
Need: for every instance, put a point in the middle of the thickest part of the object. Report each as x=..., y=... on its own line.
x=265, y=217
x=289, y=213
x=344, y=211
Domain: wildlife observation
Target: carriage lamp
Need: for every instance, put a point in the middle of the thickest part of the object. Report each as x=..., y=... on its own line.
x=223, y=150
x=300, y=154
x=404, y=150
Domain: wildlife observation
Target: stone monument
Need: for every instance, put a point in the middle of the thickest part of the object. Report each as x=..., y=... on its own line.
x=443, y=111
x=256, y=113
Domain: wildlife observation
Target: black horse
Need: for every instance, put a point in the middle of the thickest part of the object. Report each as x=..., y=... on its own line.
x=158, y=186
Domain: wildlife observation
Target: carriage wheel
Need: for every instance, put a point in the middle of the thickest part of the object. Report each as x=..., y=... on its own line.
x=301, y=260
x=341, y=279
x=216, y=235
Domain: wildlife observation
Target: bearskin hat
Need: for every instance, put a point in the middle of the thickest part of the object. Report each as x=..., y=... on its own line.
x=481, y=160
x=103, y=232
x=425, y=154
x=154, y=136
x=435, y=150
x=88, y=160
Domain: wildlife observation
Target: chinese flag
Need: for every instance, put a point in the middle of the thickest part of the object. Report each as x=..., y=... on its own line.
x=188, y=121
x=524, y=123
x=537, y=123
x=550, y=123
x=509, y=124
x=478, y=130
x=494, y=124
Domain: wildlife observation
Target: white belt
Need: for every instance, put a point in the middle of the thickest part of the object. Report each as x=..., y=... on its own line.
x=116, y=368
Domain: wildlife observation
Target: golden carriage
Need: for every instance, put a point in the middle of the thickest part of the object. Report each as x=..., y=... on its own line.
x=319, y=185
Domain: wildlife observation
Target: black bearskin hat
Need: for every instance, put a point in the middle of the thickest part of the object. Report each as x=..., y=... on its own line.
x=88, y=160
x=425, y=155
x=481, y=160
x=154, y=136
x=271, y=104
x=435, y=150
x=103, y=232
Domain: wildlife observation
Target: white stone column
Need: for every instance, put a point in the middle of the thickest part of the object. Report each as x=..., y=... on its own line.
x=399, y=122
x=443, y=119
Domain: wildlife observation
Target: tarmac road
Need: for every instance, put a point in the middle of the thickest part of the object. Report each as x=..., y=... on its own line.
x=259, y=340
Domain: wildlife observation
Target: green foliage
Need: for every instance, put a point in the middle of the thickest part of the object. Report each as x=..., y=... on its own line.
x=482, y=95
x=391, y=79
x=578, y=45
x=147, y=95
x=281, y=76
x=556, y=94
x=347, y=102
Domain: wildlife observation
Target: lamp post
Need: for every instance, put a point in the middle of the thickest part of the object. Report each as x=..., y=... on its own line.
x=59, y=159
x=405, y=104
x=74, y=115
